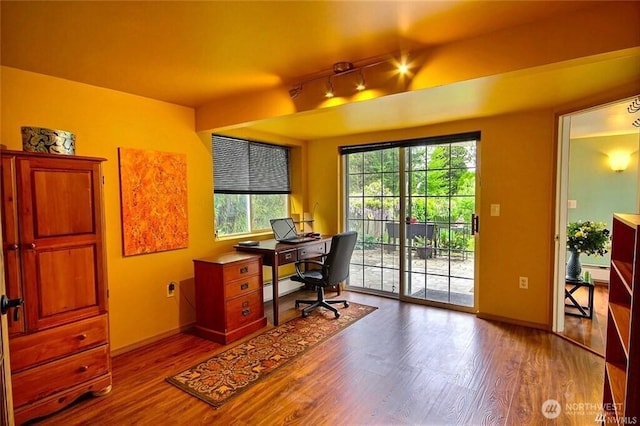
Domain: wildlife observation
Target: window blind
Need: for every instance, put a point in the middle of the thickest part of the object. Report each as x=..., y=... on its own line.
x=246, y=167
x=434, y=140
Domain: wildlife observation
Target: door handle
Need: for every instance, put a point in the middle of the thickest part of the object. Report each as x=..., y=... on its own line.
x=475, y=224
x=6, y=304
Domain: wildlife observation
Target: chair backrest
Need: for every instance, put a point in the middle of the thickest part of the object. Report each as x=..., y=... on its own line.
x=339, y=256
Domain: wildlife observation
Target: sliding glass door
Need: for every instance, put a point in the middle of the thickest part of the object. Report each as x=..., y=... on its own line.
x=412, y=205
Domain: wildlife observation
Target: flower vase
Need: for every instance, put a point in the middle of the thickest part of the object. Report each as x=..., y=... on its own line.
x=574, y=268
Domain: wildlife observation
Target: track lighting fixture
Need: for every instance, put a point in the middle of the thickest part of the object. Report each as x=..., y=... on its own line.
x=346, y=79
x=634, y=108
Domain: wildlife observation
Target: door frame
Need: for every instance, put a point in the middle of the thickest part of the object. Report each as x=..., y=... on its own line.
x=562, y=196
x=561, y=212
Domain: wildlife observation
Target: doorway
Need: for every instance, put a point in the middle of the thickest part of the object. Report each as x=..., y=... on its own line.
x=590, y=188
x=413, y=205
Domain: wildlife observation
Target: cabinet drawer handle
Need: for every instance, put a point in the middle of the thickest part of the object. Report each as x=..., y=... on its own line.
x=246, y=312
x=244, y=286
x=287, y=256
x=83, y=368
x=244, y=270
x=303, y=252
x=82, y=336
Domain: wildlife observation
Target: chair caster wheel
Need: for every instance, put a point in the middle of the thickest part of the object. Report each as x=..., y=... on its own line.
x=337, y=314
x=346, y=304
x=304, y=314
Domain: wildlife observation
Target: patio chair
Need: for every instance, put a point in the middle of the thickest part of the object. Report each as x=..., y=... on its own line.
x=331, y=271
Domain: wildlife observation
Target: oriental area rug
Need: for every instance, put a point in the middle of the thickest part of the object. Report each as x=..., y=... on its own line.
x=229, y=373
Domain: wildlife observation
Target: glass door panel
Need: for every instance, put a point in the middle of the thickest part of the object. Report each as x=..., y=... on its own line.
x=373, y=202
x=440, y=181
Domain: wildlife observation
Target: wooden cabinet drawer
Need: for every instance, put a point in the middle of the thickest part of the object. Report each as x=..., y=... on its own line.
x=287, y=257
x=244, y=286
x=243, y=310
x=311, y=251
x=239, y=270
x=38, y=382
x=55, y=342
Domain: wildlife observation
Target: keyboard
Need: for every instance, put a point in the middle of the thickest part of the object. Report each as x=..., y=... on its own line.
x=298, y=240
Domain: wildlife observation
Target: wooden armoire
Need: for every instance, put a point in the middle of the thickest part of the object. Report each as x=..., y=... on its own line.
x=53, y=246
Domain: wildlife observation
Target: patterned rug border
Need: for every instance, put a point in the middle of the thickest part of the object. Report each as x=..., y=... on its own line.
x=251, y=373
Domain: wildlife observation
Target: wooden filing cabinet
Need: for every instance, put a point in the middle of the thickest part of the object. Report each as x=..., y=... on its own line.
x=229, y=298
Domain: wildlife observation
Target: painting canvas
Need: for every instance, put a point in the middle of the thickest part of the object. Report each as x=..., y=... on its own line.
x=153, y=192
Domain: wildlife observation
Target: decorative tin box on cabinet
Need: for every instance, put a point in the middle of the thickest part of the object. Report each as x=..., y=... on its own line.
x=54, y=260
x=229, y=298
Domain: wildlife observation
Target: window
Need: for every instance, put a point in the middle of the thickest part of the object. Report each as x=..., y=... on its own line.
x=251, y=184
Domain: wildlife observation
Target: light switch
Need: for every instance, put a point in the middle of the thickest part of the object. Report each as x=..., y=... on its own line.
x=495, y=209
x=572, y=204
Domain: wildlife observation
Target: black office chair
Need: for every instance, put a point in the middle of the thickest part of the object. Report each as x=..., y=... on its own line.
x=334, y=269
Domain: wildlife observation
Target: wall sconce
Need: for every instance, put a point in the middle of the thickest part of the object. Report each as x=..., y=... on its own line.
x=619, y=161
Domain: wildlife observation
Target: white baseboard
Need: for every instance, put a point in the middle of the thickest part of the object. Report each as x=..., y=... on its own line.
x=598, y=273
x=285, y=286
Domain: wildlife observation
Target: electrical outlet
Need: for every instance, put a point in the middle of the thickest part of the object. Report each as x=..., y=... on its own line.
x=171, y=289
x=524, y=282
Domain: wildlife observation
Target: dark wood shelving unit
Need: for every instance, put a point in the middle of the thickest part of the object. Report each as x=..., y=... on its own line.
x=621, y=395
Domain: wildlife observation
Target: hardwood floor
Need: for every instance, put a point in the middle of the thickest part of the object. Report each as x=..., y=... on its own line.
x=402, y=364
x=591, y=333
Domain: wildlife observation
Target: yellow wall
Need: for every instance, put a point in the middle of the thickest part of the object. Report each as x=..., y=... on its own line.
x=516, y=168
x=104, y=120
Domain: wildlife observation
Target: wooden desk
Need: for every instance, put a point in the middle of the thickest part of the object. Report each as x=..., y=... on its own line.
x=275, y=254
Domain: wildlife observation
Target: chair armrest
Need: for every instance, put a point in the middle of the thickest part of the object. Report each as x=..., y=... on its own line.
x=305, y=263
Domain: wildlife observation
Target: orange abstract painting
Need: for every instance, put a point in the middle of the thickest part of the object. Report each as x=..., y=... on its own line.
x=153, y=193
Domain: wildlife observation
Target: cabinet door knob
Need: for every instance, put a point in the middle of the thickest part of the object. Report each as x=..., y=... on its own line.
x=82, y=336
x=30, y=245
x=12, y=247
x=83, y=368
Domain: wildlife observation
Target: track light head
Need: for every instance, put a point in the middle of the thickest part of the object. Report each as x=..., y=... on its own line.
x=329, y=92
x=294, y=92
x=360, y=85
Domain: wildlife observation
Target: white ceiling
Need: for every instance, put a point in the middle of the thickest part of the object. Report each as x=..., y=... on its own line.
x=608, y=120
